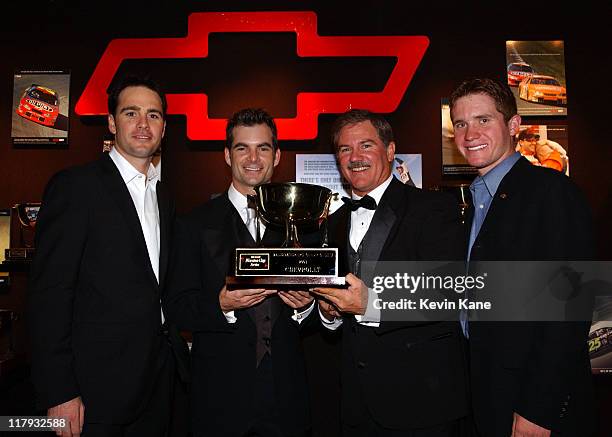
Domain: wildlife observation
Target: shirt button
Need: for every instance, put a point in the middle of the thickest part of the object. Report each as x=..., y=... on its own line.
x=481, y=206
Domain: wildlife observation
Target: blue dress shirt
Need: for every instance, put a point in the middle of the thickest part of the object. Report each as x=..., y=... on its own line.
x=483, y=190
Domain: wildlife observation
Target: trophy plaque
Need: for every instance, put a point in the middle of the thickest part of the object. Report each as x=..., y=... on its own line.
x=290, y=206
x=26, y=214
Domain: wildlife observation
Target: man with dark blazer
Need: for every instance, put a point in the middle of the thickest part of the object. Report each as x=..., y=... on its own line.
x=100, y=351
x=398, y=378
x=248, y=370
x=528, y=378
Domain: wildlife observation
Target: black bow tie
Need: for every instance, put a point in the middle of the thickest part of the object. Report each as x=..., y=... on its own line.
x=366, y=202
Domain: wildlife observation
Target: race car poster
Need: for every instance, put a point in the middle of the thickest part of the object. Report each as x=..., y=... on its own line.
x=322, y=169
x=536, y=74
x=40, y=108
x=600, y=336
x=453, y=162
x=544, y=146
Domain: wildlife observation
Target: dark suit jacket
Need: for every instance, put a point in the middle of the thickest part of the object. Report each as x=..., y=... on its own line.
x=405, y=375
x=539, y=370
x=224, y=359
x=94, y=300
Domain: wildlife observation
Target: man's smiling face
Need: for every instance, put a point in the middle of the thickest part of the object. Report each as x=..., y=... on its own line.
x=481, y=134
x=364, y=160
x=138, y=124
x=251, y=157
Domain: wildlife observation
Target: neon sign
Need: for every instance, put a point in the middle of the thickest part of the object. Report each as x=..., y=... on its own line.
x=408, y=50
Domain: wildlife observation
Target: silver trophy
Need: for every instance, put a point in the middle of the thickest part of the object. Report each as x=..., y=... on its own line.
x=26, y=215
x=291, y=206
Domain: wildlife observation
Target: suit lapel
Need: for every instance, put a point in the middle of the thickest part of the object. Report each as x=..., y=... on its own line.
x=112, y=180
x=383, y=222
x=510, y=186
x=467, y=227
x=228, y=233
x=165, y=225
x=223, y=235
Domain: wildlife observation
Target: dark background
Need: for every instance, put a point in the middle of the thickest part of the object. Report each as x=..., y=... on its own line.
x=467, y=39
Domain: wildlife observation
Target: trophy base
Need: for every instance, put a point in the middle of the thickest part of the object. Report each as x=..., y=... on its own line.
x=283, y=282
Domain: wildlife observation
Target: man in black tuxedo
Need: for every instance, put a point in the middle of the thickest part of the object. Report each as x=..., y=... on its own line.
x=248, y=370
x=528, y=379
x=101, y=354
x=398, y=378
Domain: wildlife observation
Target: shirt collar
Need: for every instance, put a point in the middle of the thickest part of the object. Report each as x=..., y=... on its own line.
x=128, y=171
x=238, y=199
x=493, y=178
x=377, y=192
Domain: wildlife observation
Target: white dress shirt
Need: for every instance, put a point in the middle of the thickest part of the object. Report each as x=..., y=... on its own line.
x=143, y=191
x=360, y=223
x=247, y=215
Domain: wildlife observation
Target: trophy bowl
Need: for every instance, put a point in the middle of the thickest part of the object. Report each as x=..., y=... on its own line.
x=292, y=206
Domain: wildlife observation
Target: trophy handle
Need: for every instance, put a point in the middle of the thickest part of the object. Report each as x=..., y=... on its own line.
x=325, y=242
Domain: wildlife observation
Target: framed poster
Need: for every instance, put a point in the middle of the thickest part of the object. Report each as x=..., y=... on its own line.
x=322, y=169
x=40, y=108
x=600, y=336
x=453, y=162
x=545, y=146
x=536, y=74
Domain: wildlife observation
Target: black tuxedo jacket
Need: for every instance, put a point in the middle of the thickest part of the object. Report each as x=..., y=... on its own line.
x=539, y=370
x=223, y=354
x=404, y=374
x=94, y=299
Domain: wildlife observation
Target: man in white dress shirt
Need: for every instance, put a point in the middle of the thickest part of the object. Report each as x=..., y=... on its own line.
x=101, y=354
x=248, y=370
x=398, y=378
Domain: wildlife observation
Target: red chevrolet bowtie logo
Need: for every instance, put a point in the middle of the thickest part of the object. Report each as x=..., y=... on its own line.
x=408, y=50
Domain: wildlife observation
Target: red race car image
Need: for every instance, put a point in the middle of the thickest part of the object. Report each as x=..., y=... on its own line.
x=517, y=71
x=40, y=105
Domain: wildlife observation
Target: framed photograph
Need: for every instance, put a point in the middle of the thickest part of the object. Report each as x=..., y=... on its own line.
x=322, y=169
x=545, y=146
x=40, y=108
x=536, y=73
x=600, y=336
x=453, y=162
x=408, y=168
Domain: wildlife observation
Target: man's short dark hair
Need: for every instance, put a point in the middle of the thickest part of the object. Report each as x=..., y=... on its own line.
x=500, y=92
x=129, y=81
x=250, y=117
x=354, y=116
x=525, y=135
